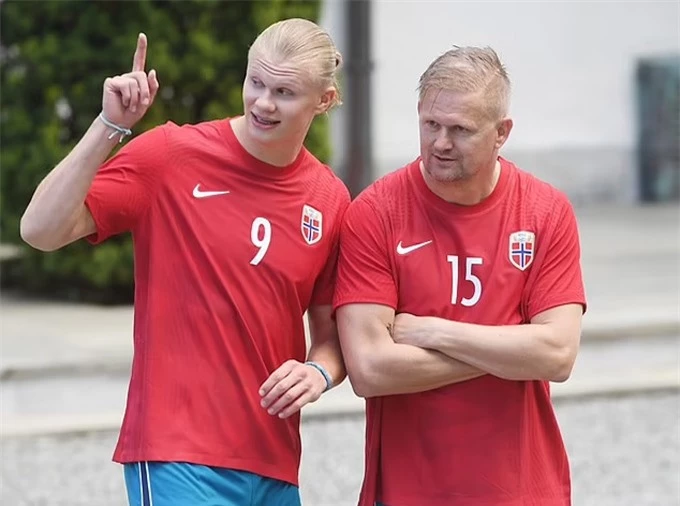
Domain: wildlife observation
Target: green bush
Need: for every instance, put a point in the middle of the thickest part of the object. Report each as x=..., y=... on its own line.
x=54, y=58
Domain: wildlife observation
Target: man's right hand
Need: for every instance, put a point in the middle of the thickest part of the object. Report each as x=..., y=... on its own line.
x=127, y=97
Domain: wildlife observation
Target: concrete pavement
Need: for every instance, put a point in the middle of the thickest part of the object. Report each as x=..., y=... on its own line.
x=631, y=263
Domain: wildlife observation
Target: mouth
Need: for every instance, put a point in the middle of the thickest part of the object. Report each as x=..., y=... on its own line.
x=445, y=159
x=260, y=120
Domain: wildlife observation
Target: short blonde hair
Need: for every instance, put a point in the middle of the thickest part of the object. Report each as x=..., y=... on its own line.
x=470, y=70
x=305, y=44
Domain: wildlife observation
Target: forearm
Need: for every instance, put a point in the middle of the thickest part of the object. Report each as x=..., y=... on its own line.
x=58, y=200
x=515, y=352
x=392, y=368
x=329, y=356
x=325, y=345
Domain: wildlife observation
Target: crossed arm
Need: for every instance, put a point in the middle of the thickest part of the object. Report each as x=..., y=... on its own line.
x=378, y=366
x=423, y=353
x=544, y=349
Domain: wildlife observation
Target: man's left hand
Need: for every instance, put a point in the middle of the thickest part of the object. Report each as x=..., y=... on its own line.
x=290, y=387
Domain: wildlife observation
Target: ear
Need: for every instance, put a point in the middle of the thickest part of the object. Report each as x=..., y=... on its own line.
x=326, y=100
x=503, y=132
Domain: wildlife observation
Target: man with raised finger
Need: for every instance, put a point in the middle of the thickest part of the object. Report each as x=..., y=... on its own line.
x=235, y=227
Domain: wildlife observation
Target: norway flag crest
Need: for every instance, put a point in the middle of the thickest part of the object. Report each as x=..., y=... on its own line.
x=312, y=224
x=521, y=249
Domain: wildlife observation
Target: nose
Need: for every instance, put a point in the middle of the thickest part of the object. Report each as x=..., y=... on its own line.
x=443, y=142
x=264, y=102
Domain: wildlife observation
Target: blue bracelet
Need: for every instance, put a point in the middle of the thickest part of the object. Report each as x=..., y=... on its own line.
x=124, y=132
x=324, y=373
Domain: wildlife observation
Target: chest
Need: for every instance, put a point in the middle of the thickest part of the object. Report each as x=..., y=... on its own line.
x=465, y=269
x=250, y=229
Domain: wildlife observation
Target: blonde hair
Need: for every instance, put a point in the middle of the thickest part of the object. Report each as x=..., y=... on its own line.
x=304, y=44
x=470, y=70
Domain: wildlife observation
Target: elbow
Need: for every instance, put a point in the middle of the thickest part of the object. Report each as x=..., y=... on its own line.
x=363, y=389
x=562, y=365
x=561, y=375
x=363, y=380
x=360, y=385
x=34, y=236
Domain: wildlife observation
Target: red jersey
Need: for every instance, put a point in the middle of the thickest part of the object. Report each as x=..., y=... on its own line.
x=229, y=253
x=487, y=441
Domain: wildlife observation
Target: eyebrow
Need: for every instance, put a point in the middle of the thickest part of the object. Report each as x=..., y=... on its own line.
x=289, y=77
x=284, y=83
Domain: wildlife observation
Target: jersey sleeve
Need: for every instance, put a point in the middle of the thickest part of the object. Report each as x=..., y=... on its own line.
x=124, y=185
x=325, y=283
x=365, y=273
x=560, y=280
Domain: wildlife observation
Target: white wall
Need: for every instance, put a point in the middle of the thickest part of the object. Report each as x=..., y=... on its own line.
x=572, y=65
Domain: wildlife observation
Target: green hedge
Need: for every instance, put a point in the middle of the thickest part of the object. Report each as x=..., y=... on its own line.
x=55, y=57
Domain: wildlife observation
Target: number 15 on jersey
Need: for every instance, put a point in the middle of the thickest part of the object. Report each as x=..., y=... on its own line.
x=470, y=277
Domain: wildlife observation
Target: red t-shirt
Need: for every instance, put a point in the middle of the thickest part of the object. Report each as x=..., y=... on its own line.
x=229, y=254
x=488, y=441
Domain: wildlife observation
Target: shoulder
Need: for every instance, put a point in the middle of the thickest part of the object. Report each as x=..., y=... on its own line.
x=386, y=192
x=542, y=198
x=380, y=202
x=173, y=135
x=331, y=187
x=201, y=135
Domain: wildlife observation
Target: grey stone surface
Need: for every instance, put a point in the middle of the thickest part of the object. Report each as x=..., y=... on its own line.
x=623, y=451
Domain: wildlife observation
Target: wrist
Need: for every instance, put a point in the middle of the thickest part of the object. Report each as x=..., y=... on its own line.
x=115, y=130
x=99, y=135
x=323, y=372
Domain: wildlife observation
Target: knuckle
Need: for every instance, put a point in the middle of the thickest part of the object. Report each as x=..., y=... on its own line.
x=294, y=406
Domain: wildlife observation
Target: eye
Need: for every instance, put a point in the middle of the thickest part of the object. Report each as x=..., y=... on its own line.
x=284, y=91
x=431, y=123
x=460, y=128
x=256, y=82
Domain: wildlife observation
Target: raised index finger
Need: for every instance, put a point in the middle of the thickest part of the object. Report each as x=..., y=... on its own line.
x=139, y=59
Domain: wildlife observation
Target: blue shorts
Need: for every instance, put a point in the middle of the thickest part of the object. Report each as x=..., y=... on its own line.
x=181, y=484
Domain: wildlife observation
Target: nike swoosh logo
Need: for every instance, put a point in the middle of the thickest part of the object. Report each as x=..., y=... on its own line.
x=408, y=249
x=201, y=194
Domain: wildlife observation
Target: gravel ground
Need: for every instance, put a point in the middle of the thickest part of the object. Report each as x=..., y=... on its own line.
x=624, y=451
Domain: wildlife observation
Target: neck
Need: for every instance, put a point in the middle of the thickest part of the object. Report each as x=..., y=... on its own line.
x=277, y=153
x=467, y=192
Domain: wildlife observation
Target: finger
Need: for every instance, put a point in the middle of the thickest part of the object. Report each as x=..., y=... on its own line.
x=134, y=94
x=279, y=389
x=139, y=59
x=280, y=373
x=287, y=398
x=121, y=86
x=153, y=85
x=298, y=404
x=143, y=86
